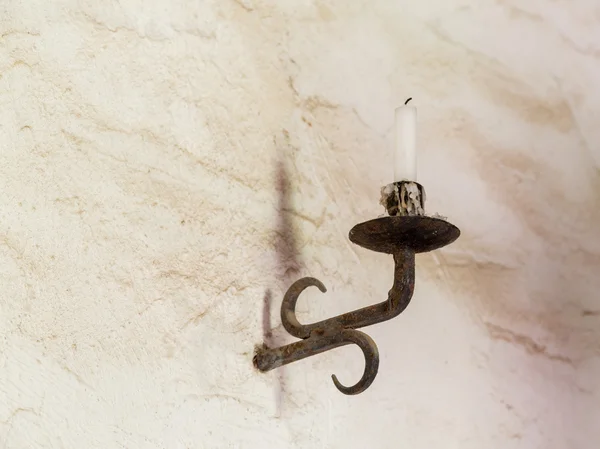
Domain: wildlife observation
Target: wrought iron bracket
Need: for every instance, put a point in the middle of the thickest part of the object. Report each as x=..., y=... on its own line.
x=400, y=236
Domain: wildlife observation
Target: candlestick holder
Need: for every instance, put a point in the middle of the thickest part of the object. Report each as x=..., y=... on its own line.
x=405, y=232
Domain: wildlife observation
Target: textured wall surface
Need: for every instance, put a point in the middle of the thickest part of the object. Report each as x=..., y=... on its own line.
x=168, y=168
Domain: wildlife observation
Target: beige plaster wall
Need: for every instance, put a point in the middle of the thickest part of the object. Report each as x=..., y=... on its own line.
x=167, y=168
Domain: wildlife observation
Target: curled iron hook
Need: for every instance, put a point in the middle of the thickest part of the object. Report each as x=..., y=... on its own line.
x=369, y=349
x=288, y=306
x=266, y=359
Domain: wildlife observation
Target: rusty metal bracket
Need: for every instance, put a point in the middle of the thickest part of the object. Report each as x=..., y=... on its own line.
x=400, y=236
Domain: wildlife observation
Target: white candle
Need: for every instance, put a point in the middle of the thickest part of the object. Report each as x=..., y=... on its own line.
x=405, y=156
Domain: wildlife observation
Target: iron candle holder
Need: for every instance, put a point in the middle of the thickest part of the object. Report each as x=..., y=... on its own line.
x=405, y=232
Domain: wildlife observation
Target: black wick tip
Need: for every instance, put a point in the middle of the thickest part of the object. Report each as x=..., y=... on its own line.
x=406, y=102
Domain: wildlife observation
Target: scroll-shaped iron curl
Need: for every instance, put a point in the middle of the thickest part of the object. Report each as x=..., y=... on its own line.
x=267, y=359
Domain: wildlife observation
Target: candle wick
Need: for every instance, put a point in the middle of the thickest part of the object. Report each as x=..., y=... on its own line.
x=406, y=102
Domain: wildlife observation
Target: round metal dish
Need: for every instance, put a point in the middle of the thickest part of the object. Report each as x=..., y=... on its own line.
x=390, y=234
